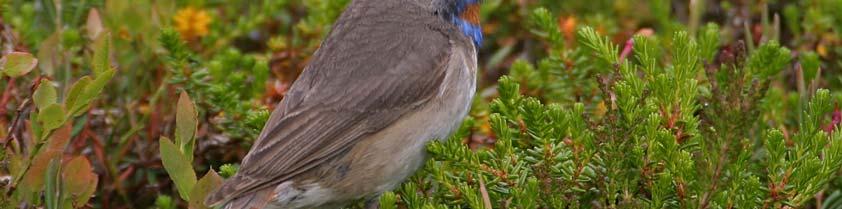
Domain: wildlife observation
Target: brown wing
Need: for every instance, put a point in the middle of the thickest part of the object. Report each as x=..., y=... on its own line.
x=379, y=62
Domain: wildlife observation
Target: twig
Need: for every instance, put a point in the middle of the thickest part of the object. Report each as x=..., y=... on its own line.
x=486, y=200
x=715, y=179
x=7, y=95
x=15, y=126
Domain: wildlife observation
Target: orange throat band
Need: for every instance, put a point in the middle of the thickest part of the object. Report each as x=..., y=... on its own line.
x=471, y=14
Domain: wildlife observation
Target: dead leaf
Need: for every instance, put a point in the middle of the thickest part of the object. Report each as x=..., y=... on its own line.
x=94, y=24
x=205, y=186
x=486, y=200
x=33, y=179
x=49, y=54
x=79, y=182
x=186, y=123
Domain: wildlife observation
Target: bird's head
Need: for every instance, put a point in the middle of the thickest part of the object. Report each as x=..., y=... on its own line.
x=465, y=15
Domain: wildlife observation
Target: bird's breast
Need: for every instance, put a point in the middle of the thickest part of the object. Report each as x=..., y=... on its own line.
x=385, y=159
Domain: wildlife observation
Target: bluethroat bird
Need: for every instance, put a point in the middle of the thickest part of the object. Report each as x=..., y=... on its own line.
x=391, y=76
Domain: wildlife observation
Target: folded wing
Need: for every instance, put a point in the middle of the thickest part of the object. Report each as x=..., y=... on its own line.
x=379, y=63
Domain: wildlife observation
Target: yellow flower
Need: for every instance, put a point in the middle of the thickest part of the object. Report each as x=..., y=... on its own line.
x=822, y=50
x=826, y=41
x=192, y=23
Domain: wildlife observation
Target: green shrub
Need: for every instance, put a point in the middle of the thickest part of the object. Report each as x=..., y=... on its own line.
x=682, y=129
x=37, y=163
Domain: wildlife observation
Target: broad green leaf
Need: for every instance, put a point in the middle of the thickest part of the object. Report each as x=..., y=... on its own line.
x=101, y=60
x=75, y=94
x=203, y=187
x=17, y=64
x=185, y=125
x=51, y=117
x=78, y=182
x=90, y=92
x=45, y=95
x=180, y=170
x=96, y=86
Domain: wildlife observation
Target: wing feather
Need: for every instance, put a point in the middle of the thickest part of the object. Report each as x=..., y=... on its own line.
x=379, y=63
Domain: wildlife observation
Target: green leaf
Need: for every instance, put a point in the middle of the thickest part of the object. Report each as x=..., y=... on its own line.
x=99, y=82
x=203, y=187
x=179, y=168
x=75, y=94
x=709, y=41
x=17, y=64
x=834, y=200
x=185, y=125
x=543, y=19
x=388, y=201
x=90, y=92
x=101, y=60
x=79, y=182
x=601, y=45
x=769, y=59
x=52, y=192
x=45, y=95
x=51, y=117
x=228, y=170
x=817, y=108
x=164, y=202
x=36, y=127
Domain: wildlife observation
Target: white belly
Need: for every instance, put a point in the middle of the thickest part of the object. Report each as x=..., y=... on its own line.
x=437, y=121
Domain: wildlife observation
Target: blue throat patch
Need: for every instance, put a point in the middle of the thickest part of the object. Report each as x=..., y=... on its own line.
x=470, y=29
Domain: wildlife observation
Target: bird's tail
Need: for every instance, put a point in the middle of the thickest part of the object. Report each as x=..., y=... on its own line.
x=255, y=200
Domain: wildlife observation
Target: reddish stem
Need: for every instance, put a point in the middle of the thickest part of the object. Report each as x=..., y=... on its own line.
x=627, y=50
x=7, y=95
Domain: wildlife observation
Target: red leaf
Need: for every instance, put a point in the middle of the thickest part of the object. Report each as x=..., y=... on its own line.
x=78, y=182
